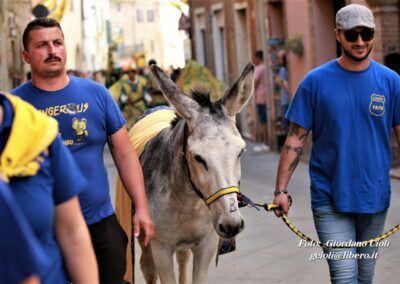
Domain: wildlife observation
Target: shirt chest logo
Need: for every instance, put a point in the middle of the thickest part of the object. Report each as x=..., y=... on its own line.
x=377, y=105
x=79, y=127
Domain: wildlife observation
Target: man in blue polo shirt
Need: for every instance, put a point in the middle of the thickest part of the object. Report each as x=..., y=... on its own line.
x=350, y=105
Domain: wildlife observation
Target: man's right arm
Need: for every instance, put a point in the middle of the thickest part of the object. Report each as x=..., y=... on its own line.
x=290, y=157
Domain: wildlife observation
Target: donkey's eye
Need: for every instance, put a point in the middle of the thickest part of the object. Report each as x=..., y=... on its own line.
x=200, y=160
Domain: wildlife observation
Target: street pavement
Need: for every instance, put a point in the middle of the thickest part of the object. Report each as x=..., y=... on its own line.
x=267, y=251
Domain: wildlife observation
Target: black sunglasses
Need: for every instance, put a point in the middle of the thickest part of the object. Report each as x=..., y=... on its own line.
x=352, y=35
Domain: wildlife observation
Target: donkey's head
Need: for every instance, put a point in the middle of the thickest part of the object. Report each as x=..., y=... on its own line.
x=213, y=146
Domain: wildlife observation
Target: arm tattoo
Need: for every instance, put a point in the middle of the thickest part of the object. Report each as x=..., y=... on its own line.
x=299, y=152
x=294, y=131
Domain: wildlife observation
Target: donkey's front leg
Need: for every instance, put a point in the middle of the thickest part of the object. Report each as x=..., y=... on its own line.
x=202, y=255
x=164, y=261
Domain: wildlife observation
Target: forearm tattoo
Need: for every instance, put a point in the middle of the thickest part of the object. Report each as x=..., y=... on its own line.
x=299, y=152
x=301, y=134
x=294, y=131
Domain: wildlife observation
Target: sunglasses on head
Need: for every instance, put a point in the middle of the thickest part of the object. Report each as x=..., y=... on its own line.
x=352, y=35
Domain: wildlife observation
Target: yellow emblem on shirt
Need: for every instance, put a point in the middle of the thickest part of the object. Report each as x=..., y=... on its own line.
x=80, y=128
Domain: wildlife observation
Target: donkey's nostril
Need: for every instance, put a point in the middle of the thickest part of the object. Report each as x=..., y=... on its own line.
x=231, y=230
x=221, y=228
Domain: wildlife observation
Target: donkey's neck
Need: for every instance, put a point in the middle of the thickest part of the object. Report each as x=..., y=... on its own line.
x=185, y=191
x=164, y=166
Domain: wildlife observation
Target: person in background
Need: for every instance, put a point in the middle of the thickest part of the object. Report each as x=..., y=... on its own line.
x=45, y=182
x=350, y=104
x=260, y=92
x=284, y=90
x=100, y=76
x=133, y=87
x=88, y=118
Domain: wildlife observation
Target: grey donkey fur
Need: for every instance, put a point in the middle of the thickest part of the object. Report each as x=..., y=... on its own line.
x=200, y=152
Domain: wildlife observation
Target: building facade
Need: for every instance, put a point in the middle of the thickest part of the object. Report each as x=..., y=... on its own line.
x=223, y=40
x=147, y=29
x=13, y=17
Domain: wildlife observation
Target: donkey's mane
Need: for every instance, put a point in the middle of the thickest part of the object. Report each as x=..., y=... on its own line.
x=203, y=98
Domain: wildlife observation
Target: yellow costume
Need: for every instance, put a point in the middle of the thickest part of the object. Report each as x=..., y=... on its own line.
x=130, y=97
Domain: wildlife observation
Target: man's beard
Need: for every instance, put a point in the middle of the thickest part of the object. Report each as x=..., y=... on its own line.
x=355, y=58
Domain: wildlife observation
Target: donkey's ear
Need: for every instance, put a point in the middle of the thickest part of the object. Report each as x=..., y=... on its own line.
x=239, y=94
x=185, y=106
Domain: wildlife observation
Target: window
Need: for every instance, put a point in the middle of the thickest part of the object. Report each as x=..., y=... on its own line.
x=139, y=15
x=150, y=15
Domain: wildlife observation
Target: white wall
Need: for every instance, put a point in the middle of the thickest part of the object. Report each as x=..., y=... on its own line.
x=95, y=45
x=71, y=24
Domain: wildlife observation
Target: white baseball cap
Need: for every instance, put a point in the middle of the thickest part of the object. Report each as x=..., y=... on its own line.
x=354, y=15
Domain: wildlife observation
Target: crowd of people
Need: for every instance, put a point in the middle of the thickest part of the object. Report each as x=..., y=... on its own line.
x=54, y=193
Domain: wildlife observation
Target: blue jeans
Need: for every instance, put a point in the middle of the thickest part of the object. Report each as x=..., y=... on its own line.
x=334, y=226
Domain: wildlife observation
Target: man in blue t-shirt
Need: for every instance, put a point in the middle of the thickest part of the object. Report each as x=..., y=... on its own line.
x=350, y=105
x=88, y=119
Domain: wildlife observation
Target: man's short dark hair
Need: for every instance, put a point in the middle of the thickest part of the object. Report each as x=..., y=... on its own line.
x=38, y=24
x=259, y=54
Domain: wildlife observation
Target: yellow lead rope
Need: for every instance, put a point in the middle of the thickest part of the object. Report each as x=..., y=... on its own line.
x=271, y=206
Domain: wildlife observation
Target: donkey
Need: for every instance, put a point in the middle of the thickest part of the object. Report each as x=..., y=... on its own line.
x=192, y=172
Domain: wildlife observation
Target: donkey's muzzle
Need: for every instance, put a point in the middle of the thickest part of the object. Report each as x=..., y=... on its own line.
x=230, y=230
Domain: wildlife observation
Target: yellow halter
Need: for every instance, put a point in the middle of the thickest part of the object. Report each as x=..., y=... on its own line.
x=221, y=192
